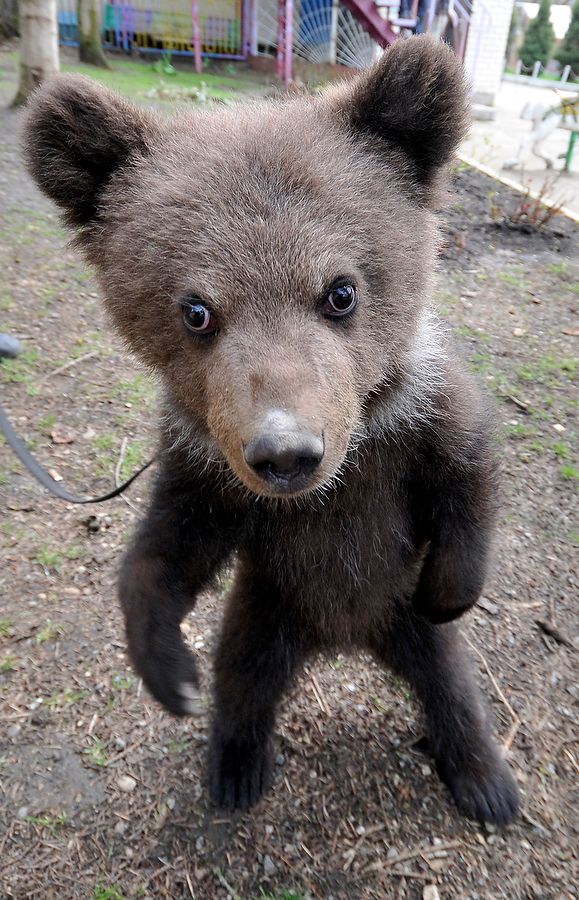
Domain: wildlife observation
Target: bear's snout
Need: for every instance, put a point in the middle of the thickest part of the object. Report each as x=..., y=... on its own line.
x=284, y=454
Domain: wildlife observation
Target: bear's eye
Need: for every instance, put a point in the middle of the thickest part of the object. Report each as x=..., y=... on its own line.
x=340, y=301
x=198, y=319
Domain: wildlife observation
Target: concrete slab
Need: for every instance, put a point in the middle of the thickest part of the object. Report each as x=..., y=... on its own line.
x=492, y=143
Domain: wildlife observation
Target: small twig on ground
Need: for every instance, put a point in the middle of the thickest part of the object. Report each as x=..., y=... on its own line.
x=520, y=403
x=70, y=364
x=352, y=853
x=508, y=741
x=221, y=879
x=319, y=697
x=420, y=851
x=93, y=722
x=572, y=758
x=297, y=872
x=118, y=466
x=129, y=749
x=553, y=631
x=516, y=719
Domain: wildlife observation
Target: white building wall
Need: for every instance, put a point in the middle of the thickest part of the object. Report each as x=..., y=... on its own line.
x=486, y=47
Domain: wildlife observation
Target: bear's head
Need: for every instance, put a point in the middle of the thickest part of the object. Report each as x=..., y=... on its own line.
x=271, y=262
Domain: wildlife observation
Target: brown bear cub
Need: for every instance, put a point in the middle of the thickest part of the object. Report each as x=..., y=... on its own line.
x=273, y=264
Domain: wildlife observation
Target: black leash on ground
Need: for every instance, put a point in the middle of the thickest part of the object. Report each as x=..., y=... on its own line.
x=46, y=480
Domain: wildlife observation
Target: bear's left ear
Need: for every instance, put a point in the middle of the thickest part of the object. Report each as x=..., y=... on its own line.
x=76, y=136
x=412, y=101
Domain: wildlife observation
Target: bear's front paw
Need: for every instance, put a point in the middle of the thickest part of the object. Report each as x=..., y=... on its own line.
x=168, y=669
x=240, y=770
x=487, y=793
x=439, y=615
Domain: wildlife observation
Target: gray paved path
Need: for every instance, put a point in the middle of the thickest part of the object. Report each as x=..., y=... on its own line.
x=492, y=143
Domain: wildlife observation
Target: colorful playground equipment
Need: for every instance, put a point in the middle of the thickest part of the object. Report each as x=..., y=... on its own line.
x=345, y=32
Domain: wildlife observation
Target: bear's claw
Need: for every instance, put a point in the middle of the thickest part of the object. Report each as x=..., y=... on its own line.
x=194, y=702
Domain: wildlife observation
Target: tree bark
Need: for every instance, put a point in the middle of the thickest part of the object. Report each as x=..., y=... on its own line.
x=38, y=45
x=89, y=37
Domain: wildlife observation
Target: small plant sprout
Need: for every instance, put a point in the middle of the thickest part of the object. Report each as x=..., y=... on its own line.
x=53, y=823
x=50, y=631
x=96, y=752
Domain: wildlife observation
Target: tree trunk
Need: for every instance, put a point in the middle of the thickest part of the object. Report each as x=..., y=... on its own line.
x=38, y=45
x=89, y=37
x=8, y=18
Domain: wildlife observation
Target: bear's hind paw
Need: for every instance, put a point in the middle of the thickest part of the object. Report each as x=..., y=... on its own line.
x=239, y=772
x=491, y=796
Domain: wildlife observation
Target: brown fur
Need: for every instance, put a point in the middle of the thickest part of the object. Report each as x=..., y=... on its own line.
x=256, y=211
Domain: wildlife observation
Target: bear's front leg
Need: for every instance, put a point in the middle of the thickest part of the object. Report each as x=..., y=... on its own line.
x=432, y=659
x=259, y=652
x=454, y=501
x=184, y=538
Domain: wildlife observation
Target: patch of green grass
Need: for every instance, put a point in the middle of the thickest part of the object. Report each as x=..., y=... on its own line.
x=6, y=303
x=5, y=626
x=481, y=364
x=112, y=703
x=535, y=446
x=53, y=823
x=104, y=441
x=7, y=663
x=53, y=557
x=122, y=682
x=12, y=531
x=558, y=268
x=46, y=423
x=569, y=473
x=107, y=893
x=96, y=753
x=137, y=79
x=137, y=390
x=280, y=895
x=512, y=279
x=520, y=430
x=64, y=698
x=547, y=369
x=104, y=445
x=177, y=745
x=476, y=334
x=20, y=370
x=4, y=478
x=574, y=287
x=133, y=459
x=561, y=450
x=379, y=704
x=573, y=536
x=50, y=631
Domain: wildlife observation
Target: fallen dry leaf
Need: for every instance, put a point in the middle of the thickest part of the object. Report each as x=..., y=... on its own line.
x=62, y=435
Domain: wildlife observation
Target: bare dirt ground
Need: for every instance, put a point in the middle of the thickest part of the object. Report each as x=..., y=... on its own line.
x=102, y=795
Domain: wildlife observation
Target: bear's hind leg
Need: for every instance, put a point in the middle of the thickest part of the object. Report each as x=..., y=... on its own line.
x=432, y=659
x=259, y=652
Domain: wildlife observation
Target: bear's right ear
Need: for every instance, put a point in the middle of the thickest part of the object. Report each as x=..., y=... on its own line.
x=76, y=135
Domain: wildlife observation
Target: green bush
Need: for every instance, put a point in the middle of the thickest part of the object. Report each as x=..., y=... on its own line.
x=568, y=52
x=539, y=37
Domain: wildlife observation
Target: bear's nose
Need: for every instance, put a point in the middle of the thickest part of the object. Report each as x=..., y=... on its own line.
x=284, y=456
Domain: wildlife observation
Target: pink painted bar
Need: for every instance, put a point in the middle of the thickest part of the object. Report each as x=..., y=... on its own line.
x=289, y=10
x=281, y=24
x=196, y=35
